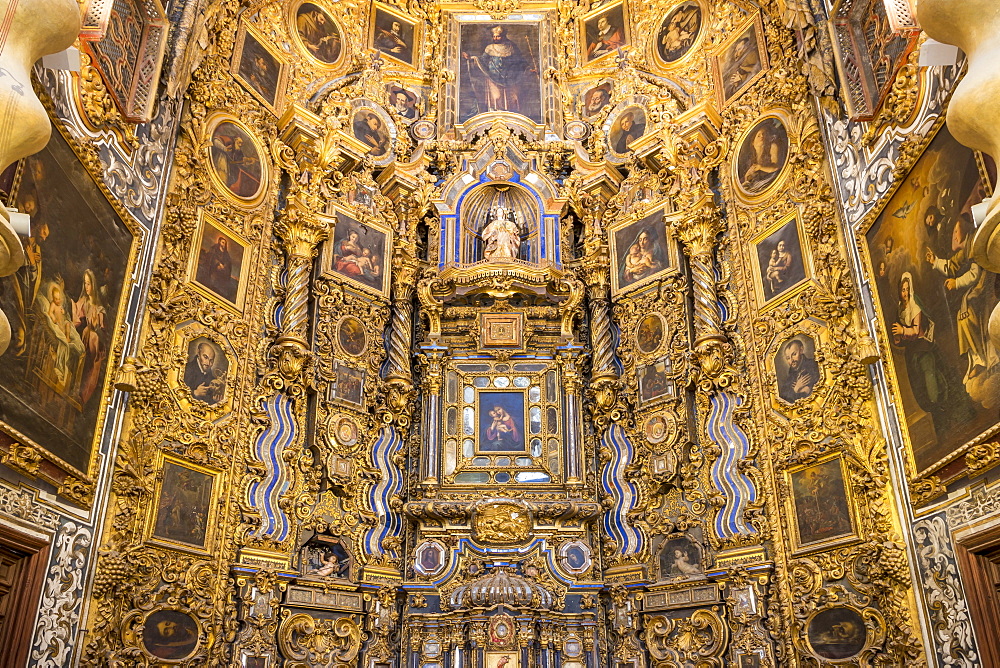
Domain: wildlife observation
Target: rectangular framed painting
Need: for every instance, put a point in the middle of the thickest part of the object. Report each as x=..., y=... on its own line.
x=740, y=61
x=501, y=420
x=186, y=497
x=349, y=386
x=500, y=68
x=217, y=266
x=655, y=382
x=603, y=32
x=781, y=262
x=65, y=306
x=641, y=252
x=394, y=35
x=259, y=67
x=822, y=505
x=934, y=304
x=358, y=253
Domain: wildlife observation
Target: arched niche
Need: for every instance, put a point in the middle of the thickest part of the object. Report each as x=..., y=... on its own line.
x=475, y=213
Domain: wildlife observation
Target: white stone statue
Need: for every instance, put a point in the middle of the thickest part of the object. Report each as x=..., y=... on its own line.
x=502, y=236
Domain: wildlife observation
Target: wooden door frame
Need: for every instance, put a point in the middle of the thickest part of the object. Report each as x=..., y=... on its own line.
x=984, y=605
x=27, y=598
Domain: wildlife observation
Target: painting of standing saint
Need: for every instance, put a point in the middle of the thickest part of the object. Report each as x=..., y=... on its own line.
x=63, y=305
x=935, y=302
x=500, y=70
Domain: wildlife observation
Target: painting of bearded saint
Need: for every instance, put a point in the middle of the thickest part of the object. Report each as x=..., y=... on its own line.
x=935, y=302
x=500, y=72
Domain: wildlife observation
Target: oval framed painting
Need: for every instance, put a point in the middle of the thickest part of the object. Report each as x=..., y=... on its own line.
x=649, y=333
x=678, y=33
x=351, y=336
x=628, y=126
x=761, y=157
x=170, y=635
x=837, y=633
x=372, y=127
x=317, y=33
x=237, y=160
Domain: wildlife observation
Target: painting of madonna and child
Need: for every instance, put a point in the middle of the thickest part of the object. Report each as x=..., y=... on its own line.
x=501, y=421
x=640, y=251
x=359, y=252
x=935, y=302
x=63, y=305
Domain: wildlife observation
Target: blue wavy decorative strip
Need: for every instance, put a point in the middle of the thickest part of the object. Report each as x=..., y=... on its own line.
x=390, y=522
x=271, y=444
x=624, y=493
x=736, y=487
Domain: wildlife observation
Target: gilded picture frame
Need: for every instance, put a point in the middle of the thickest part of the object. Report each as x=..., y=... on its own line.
x=265, y=75
x=231, y=170
x=181, y=496
x=730, y=63
x=403, y=46
x=343, y=257
x=821, y=506
x=758, y=169
x=207, y=274
x=597, y=44
x=183, y=379
x=501, y=433
x=299, y=22
x=794, y=359
x=776, y=280
x=642, y=250
x=673, y=28
x=944, y=461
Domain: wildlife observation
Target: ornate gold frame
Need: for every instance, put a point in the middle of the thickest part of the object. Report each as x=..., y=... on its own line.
x=326, y=257
x=767, y=304
x=765, y=64
x=594, y=14
x=643, y=283
x=293, y=30
x=773, y=188
x=523, y=391
x=192, y=271
x=234, y=67
x=183, y=335
x=654, y=52
x=814, y=331
x=211, y=123
x=340, y=347
x=403, y=18
x=211, y=527
x=800, y=548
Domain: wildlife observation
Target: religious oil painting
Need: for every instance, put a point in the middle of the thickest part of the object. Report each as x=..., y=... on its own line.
x=184, y=505
x=318, y=33
x=596, y=99
x=501, y=421
x=796, y=368
x=678, y=32
x=761, y=157
x=680, y=558
x=358, y=253
x=394, y=35
x=640, y=252
x=405, y=102
x=935, y=302
x=649, y=333
x=837, y=633
x=349, y=385
x=326, y=557
x=821, y=506
x=170, y=634
x=741, y=60
x=509, y=659
x=604, y=31
x=779, y=261
x=372, y=130
x=629, y=126
x=64, y=306
x=259, y=68
x=351, y=336
x=206, y=370
x=499, y=69
x=217, y=264
x=655, y=382
x=237, y=161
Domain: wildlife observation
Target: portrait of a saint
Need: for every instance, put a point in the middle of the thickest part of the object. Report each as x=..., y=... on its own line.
x=678, y=32
x=796, y=367
x=393, y=36
x=762, y=156
x=626, y=129
x=500, y=70
x=220, y=262
x=739, y=63
x=319, y=33
x=596, y=99
x=259, y=69
x=605, y=33
x=235, y=160
x=404, y=102
x=206, y=370
x=370, y=129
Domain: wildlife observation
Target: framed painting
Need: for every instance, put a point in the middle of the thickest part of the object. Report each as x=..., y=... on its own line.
x=781, y=262
x=796, y=368
x=501, y=421
x=349, y=385
x=680, y=558
x=394, y=35
x=603, y=32
x=217, y=263
x=171, y=635
x=186, y=497
x=259, y=67
x=761, y=157
x=650, y=333
x=740, y=61
x=405, y=102
x=594, y=100
x=351, y=336
x=837, y=633
x=640, y=252
x=628, y=126
x=822, y=506
x=678, y=33
x=655, y=382
x=206, y=370
x=65, y=306
x=358, y=253
x=317, y=33
x=934, y=304
x=372, y=127
x=237, y=160
x=499, y=69
x=509, y=659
